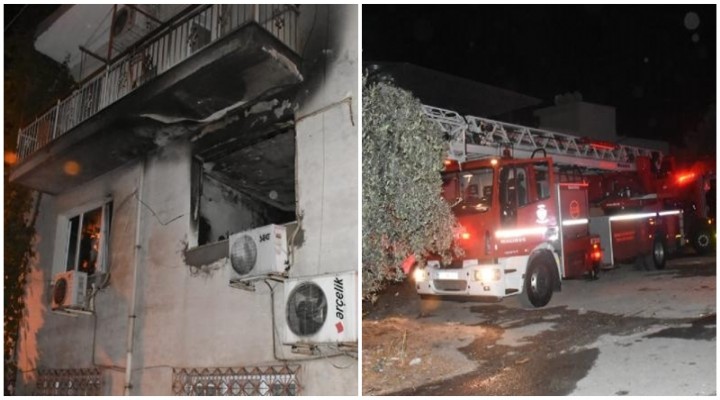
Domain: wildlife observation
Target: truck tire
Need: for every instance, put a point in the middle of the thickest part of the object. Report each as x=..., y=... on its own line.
x=702, y=241
x=538, y=286
x=658, y=254
x=594, y=272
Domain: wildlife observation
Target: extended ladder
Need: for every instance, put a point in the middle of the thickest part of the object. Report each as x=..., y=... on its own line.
x=475, y=137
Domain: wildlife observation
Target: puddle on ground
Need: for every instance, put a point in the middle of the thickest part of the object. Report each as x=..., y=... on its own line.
x=703, y=328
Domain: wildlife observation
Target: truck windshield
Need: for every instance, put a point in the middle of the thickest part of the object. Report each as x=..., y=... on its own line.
x=469, y=192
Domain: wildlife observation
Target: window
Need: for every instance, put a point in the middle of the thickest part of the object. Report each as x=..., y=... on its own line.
x=542, y=181
x=521, y=183
x=508, y=195
x=469, y=192
x=86, y=241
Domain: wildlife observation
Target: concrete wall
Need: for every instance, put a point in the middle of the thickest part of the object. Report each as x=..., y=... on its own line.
x=87, y=26
x=327, y=138
x=49, y=340
x=228, y=210
x=189, y=317
x=184, y=317
x=580, y=118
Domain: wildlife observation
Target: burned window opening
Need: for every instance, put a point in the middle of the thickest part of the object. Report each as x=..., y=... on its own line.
x=250, y=187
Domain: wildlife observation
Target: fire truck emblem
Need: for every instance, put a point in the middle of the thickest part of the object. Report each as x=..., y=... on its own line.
x=574, y=209
x=542, y=214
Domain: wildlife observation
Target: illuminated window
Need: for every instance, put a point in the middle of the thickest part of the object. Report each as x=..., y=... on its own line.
x=86, y=244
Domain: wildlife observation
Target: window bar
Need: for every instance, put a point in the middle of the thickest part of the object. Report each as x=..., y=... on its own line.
x=100, y=262
x=181, y=43
x=184, y=33
x=79, y=239
x=68, y=241
x=57, y=119
x=105, y=236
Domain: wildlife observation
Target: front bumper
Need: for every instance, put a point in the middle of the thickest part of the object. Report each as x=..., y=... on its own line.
x=472, y=279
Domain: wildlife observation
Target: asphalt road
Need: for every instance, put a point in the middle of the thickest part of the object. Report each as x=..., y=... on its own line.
x=629, y=333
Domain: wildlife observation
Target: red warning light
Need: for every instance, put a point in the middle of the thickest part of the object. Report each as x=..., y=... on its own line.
x=687, y=177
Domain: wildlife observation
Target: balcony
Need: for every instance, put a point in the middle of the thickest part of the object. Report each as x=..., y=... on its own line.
x=211, y=58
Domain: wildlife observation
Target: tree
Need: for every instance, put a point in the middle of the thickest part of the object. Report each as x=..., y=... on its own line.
x=33, y=82
x=403, y=211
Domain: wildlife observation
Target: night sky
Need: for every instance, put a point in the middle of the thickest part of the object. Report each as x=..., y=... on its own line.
x=655, y=64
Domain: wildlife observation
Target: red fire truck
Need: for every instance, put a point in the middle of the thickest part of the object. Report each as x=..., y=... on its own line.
x=690, y=185
x=522, y=198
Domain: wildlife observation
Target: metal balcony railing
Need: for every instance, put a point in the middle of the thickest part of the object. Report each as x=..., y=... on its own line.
x=150, y=58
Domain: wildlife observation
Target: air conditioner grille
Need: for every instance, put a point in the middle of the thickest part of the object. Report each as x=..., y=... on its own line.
x=306, y=309
x=60, y=291
x=243, y=255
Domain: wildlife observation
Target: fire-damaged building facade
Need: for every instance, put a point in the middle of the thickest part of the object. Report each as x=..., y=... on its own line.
x=197, y=230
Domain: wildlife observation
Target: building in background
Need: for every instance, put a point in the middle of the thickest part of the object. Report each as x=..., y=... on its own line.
x=569, y=113
x=197, y=227
x=452, y=92
x=572, y=115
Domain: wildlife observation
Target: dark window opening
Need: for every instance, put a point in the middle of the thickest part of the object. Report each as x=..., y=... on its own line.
x=246, y=188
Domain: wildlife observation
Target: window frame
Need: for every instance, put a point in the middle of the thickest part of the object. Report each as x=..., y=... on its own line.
x=541, y=168
x=62, y=263
x=458, y=199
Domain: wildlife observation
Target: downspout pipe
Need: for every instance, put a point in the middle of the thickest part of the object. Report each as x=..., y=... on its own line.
x=133, y=295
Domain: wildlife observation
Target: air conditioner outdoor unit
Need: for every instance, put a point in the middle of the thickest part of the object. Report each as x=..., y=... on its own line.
x=258, y=252
x=321, y=309
x=129, y=26
x=69, y=290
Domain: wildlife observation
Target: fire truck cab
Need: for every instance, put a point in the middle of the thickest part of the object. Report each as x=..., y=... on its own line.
x=520, y=231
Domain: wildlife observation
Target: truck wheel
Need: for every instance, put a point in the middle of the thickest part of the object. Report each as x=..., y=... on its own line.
x=538, y=288
x=702, y=242
x=658, y=254
x=594, y=272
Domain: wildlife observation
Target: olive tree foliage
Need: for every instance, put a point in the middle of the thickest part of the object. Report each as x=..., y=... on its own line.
x=403, y=211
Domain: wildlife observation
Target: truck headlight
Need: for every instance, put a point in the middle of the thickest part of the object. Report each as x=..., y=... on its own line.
x=419, y=275
x=487, y=275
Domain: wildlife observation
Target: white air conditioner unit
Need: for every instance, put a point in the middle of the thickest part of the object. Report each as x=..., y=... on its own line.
x=129, y=26
x=69, y=290
x=258, y=252
x=321, y=309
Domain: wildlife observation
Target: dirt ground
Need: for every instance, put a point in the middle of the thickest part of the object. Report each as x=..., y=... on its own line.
x=396, y=354
x=403, y=349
